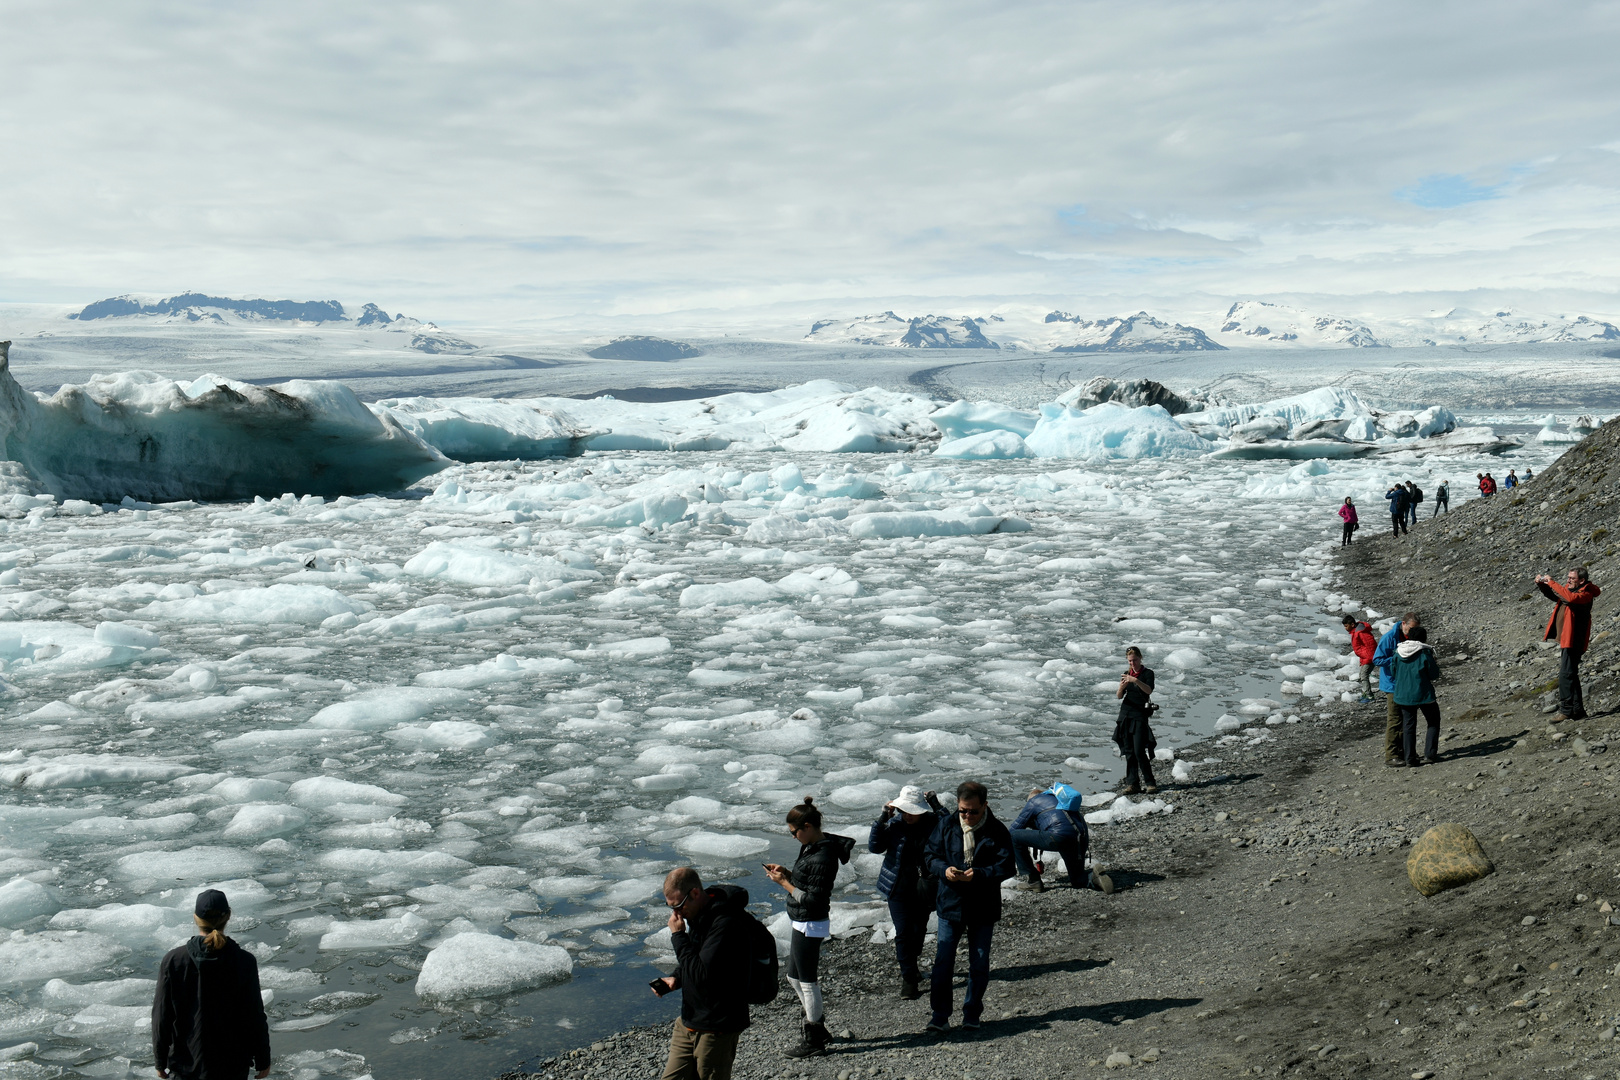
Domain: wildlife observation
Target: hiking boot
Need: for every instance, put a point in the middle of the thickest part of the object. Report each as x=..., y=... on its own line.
x=1559, y=719
x=939, y=1025
x=1151, y=789
x=971, y=1025
x=1364, y=700
x=1433, y=760
x=1132, y=790
x=812, y=1042
x=1102, y=883
x=909, y=990
x=1394, y=763
x=1032, y=883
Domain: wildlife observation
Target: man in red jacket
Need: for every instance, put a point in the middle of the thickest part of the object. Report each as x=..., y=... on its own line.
x=1363, y=643
x=1571, y=626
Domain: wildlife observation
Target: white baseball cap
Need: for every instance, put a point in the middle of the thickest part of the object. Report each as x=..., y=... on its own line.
x=912, y=799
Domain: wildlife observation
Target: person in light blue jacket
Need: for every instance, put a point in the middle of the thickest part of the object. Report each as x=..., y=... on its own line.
x=1384, y=661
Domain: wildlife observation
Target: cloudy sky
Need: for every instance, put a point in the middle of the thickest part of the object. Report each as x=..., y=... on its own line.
x=500, y=161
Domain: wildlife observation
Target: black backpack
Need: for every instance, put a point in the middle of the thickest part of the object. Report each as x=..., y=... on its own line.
x=1417, y=494
x=763, y=980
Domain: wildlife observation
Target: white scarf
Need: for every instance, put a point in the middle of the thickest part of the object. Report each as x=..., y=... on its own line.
x=967, y=839
x=1408, y=649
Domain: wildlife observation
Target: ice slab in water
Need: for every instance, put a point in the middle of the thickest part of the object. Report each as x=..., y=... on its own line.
x=483, y=965
x=22, y=900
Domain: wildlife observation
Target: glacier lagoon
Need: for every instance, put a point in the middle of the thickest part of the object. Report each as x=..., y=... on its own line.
x=510, y=700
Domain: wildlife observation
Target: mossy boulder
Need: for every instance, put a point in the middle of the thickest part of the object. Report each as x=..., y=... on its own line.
x=1445, y=857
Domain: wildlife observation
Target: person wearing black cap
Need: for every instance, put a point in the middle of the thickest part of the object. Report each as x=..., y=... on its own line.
x=207, y=1015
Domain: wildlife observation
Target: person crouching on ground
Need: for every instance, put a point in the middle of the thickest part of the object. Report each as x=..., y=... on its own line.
x=1571, y=626
x=1364, y=645
x=900, y=835
x=971, y=856
x=1132, y=733
x=208, y=1018
x=809, y=887
x=1384, y=661
x=1045, y=826
x=1415, y=672
x=1348, y=515
x=708, y=931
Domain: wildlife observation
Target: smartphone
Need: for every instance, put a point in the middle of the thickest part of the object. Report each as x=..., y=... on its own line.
x=659, y=987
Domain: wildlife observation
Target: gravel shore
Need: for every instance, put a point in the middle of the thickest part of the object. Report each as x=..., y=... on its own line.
x=1267, y=926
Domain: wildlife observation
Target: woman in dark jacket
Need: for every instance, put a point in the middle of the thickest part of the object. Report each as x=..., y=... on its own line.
x=809, y=887
x=900, y=834
x=207, y=1016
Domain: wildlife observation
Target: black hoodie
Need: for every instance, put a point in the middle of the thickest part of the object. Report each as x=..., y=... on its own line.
x=713, y=953
x=207, y=1017
x=813, y=875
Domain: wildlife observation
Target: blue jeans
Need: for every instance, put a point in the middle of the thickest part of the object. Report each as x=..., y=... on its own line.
x=910, y=925
x=1072, y=846
x=978, y=943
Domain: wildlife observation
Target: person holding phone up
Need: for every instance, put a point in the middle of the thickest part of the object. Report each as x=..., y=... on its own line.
x=809, y=887
x=1133, y=734
x=708, y=931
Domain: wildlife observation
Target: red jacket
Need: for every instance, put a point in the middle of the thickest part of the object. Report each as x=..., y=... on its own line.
x=1348, y=514
x=1363, y=643
x=1571, y=619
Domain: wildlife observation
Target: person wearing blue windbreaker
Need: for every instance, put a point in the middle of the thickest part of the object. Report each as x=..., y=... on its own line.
x=1384, y=661
x=900, y=834
x=1046, y=826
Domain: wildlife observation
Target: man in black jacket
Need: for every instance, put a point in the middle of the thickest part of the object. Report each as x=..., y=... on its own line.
x=971, y=855
x=208, y=1019
x=708, y=933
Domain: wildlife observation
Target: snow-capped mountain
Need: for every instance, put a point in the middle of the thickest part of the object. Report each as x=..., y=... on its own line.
x=1257, y=322
x=201, y=308
x=1463, y=326
x=1133, y=333
x=890, y=330
x=197, y=307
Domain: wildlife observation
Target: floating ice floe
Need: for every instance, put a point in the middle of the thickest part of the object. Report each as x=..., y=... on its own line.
x=483, y=965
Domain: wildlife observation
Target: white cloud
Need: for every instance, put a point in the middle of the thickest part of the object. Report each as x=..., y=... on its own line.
x=507, y=160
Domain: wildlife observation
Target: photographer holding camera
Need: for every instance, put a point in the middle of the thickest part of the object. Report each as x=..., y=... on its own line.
x=1132, y=733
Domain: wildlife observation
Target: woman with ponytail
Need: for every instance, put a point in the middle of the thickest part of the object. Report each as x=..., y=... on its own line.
x=809, y=887
x=208, y=1018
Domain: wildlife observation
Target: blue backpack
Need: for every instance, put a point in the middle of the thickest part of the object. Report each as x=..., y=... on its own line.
x=1067, y=797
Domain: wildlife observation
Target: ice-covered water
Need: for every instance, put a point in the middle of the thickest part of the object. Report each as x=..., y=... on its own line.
x=510, y=704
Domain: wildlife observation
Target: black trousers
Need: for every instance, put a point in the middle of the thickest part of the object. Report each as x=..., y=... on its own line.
x=1397, y=523
x=1570, y=702
x=1349, y=528
x=1431, y=742
x=1441, y=504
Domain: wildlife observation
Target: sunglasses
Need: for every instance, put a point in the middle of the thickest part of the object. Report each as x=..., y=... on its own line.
x=971, y=813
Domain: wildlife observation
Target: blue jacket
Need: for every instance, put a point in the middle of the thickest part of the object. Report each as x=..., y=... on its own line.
x=975, y=902
x=1399, y=499
x=1384, y=658
x=1041, y=812
x=902, y=846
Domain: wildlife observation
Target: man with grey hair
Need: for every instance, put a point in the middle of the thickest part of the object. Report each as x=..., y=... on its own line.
x=708, y=930
x=1571, y=626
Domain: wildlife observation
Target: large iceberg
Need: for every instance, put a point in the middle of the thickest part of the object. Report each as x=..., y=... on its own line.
x=1112, y=431
x=481, y=429
x=137, y=434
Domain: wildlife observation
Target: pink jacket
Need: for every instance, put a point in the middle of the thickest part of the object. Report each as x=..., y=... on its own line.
x=1347, y=514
